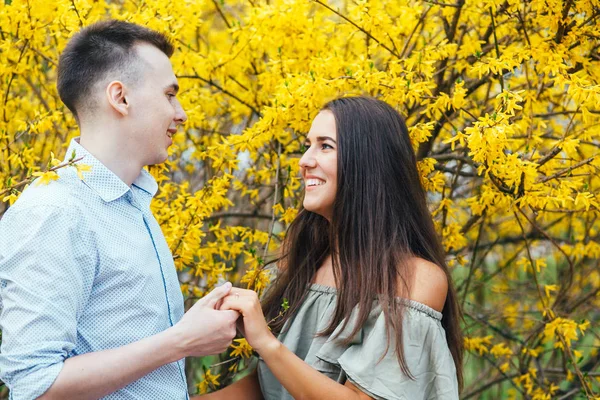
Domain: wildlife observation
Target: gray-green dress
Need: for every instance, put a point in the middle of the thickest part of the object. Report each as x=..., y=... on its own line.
x=425, y=348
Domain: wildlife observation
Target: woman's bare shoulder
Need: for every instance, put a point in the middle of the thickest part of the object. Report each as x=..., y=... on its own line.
x=430, y=283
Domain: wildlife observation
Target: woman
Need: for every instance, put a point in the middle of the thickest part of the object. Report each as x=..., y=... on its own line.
x=372, y=311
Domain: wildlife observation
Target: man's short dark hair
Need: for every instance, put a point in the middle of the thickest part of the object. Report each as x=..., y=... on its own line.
x=98, y=49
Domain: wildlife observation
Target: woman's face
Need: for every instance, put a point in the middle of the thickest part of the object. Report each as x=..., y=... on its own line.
x=318, y=165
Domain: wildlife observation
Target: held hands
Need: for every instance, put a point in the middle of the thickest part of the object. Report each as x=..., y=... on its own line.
x=254, y=328
x=204, y=329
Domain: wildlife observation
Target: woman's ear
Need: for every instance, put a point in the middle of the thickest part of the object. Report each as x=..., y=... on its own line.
x=115, y=93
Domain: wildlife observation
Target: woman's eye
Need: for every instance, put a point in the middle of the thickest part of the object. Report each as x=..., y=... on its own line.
x=326, y=146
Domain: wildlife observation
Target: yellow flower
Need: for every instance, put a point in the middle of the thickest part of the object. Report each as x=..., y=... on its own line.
x=11, y=198
x=478, y=344
x=241, y=348
x=501, y=350
x=81, y=168
x=45, y=177
x=561, y=328
x=500, y=132
x=209, y=381
x=550, y=288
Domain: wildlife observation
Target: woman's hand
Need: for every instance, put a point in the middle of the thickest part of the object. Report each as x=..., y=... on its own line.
x=255, y=327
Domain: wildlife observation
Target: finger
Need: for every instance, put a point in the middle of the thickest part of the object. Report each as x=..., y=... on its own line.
x=239, y=325
x=232, y=315
x=229, y=303
x=217, y=294
x=234, y=303
x=236, y=291
x=248, y=296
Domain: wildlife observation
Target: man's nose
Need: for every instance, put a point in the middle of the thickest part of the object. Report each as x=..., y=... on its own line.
x=180, y=115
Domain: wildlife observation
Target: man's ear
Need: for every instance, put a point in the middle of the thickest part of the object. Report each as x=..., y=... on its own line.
x=115, y=93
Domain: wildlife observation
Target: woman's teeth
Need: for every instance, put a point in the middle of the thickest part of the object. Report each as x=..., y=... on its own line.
x=314, y=182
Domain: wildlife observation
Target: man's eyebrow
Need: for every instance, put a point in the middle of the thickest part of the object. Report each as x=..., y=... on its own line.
x=173, y=86
x=322, y=139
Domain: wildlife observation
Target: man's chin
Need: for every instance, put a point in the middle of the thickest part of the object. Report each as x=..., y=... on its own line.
x=159, y=160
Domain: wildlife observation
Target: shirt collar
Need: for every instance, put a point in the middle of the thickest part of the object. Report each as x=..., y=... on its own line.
x=102, y=180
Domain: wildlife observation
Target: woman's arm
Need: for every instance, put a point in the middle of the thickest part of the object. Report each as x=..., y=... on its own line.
x=302, y=380
x=297, y=377
x=246, y=388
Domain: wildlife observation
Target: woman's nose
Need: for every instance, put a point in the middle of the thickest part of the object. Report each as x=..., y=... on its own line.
x=307, y=160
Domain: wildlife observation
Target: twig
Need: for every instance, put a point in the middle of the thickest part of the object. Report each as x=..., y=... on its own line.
x=221, y=14
x=274, y=201
x=549, y=156
x=236, y=214
x=488, y=385
x=216, y=86
x=566, y=170
x=442, y=4
x=408, y=40
x=497, y=47
x=339, y=14
x=530, y=257
x=457, y=171
x=77, y=12
x=30, y=178
x=564, y=288
x=473, y=257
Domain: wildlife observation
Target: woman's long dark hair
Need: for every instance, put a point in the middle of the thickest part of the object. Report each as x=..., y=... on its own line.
x=380, y=219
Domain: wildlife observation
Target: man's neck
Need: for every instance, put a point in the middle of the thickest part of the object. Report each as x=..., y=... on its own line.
x=116, y=158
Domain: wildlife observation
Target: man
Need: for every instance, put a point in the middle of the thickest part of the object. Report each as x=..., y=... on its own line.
x=90, y=304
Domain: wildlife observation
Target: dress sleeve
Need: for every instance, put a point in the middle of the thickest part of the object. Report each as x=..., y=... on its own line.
x=46, y=275
x=373, y=367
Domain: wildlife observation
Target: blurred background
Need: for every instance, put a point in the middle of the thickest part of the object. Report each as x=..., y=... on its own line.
x=502, y=99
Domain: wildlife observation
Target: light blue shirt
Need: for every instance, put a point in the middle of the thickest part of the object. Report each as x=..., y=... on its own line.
x=84, y=267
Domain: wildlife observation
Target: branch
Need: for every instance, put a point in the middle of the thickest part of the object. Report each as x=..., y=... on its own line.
x=453, y=157
x=500, y=185
x=236, y=215
x=30, y=178
x=497, y=47
x=565, y=112
x=216, y=86
x=562, y=28
x=489, y=385
x=473, y=257
x=425, y=147
x=530, y=257
x=504, y=334
x=77, y=12
x=442, y=4
x=408, y=40
x=221, y=14
x=564, y=288
x=566, y=170
x=274, y=200
x=339, y=14
x=457, y=171
x=549, y=156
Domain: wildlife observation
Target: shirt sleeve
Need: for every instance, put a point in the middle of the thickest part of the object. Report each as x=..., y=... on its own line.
x=373, y=367
x=46, y=274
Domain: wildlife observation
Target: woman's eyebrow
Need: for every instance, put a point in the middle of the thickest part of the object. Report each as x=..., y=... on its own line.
x=321, y=139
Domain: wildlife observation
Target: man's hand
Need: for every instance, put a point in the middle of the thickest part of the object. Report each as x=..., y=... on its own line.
x=204, y=329
x=255, y=328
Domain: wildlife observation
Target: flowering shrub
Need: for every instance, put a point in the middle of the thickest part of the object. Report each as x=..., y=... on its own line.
x=502, y=100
